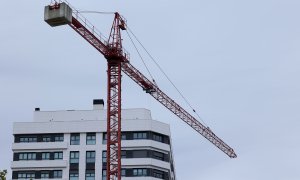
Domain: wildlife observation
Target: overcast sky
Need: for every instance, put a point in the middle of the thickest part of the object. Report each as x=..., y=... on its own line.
x=237, y=62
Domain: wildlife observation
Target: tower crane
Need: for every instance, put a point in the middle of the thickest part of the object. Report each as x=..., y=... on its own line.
x=62, y=13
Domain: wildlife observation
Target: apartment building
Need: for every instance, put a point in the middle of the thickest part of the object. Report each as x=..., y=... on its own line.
x=71, y=144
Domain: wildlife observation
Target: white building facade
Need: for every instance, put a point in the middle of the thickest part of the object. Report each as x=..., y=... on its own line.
x=71, y=145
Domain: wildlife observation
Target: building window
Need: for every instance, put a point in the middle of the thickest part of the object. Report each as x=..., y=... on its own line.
x=158, y=155
x=158, y=174
x=90, y=156
x=58, y=138
x=46, y=139
x=22, y=156
x=31, y=156
x=139, y=172
x=30, y=175
x=28, y=139
x=73, y=175
x=140, y=135
x=75, y=139
x=26, y=175
x=157, y=137
x=90, y=175
x=139, y=154
x=103, y=174
x=74, y=157
x=45, y=156
x=58, y=155
x=123, y=136
x=123, y=154
x=123, y=172
x=104, y=138
x=27, y=156
x=91, y=138
x=57, y=174
x=21, y=175
x=45, y=175
x=104, y=156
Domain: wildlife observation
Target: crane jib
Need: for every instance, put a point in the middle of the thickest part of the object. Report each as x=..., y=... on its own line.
x=170, y=104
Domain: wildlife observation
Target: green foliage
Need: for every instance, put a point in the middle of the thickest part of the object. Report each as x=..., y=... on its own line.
x=3, y=174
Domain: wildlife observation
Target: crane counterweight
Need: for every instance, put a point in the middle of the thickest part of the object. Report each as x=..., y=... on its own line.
x=58, y=14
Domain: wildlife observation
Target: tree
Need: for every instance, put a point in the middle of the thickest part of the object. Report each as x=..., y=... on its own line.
x=3, y=174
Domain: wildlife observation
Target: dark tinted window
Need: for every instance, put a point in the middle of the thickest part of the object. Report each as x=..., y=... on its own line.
x=75, y=139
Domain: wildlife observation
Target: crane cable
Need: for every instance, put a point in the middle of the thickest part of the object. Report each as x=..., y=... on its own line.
x=160, y=68
x=95, y=12
x=141, y=57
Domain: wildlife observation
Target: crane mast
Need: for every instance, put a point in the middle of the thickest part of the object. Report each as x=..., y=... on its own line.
x=114, y=58
x=117, y=61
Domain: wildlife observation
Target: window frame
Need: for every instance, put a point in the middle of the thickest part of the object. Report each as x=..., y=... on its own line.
x=158, y=174
x=46, y=153
x=75, y=139
x=157, y=137
x=43, y=173
x=90, y=138
x=90, y=157
x=158, y=155
x=57, y=174
x=46, y=138
x=90, y=175
x=59, y=155
x=74, y=175
x=74, y=159
x=27, y=156
x=104, y=138
x=123, y=172
x=139, y=172
x=26, y=175
x=140, y=135
x=28, y=139
x=104, y=174
x=104, y=157
x=58, y=138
